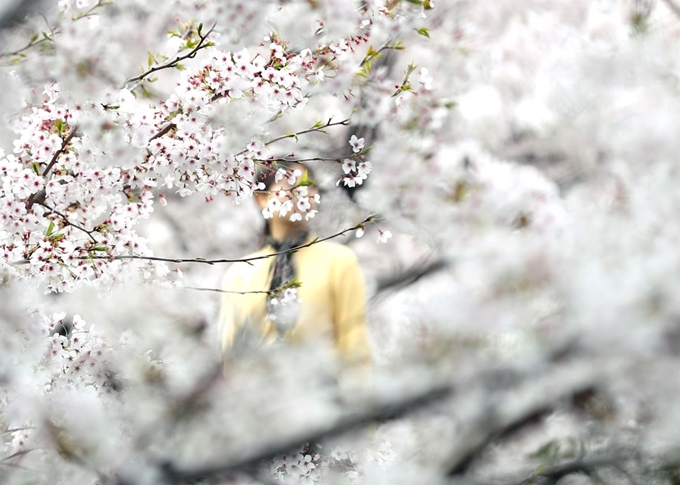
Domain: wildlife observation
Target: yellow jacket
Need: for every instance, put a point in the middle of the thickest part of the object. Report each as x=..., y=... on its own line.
x=332, y=301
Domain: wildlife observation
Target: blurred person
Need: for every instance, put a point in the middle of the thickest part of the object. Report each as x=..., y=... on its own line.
x=330, y=308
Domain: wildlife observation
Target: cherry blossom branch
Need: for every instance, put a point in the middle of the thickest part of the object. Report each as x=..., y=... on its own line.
x=31, y=43
x=387, y=411
x=59, y=152
x=217, y=290
x=412, y=275
x=34, y=41
x=371, y=55
x=16, y=13
x=17, y=430
x=274, y=291
x=328, y=124
x=201, y=45
x=301, y=160
x=491, y=430
x=39, y=196
x=67, y=221
x=165, y=130
x=317, y=240
x=553, y=472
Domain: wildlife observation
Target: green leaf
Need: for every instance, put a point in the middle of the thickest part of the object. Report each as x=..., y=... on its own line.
x=97, y=248
x=151, y=59
x=50, y=228
x=409, y=70
x=424, y=32
x=60, y=126
x=199, y=28
x=33, y=39
x=318, y=124
x=305, y=181
x=146, y=93
x=179, y=67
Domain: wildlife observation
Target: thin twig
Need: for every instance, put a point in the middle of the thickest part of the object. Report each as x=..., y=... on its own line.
x=310, y=130
x=16, y=454
x=217, y=290
x=67, y=221
x=27, y=46
x=237, y=260
x=177, y=59
x=375, y=54
x=301, y=160
x=16, y=430
x=32, y=43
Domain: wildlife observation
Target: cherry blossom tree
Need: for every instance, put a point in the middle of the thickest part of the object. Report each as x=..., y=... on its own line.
x=517, y=160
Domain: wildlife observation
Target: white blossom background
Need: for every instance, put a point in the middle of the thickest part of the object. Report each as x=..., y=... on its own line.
x=526, y=169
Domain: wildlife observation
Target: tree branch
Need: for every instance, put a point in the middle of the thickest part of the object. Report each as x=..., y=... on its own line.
x=217, y=290
x=495, y=430
x=237, y=260
x=16, y=13
x=67, y=221
x=177, y=475
x=328, y=124
x=36, y=41
x=166, y=129
x=411, y=275
x=178, y=59
x=59, y=152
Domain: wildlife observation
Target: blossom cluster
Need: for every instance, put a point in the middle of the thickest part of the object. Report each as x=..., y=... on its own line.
x=69, y=207
x=310, y=465
x=296, y=201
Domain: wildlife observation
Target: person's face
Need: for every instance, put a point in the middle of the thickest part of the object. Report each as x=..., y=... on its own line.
x=300, y=199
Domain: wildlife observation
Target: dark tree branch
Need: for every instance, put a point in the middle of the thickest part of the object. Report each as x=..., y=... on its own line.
x=201, y=45
x=59, y=152
x=411, y=275
x=163, y=131
x=328, y=124
x=176, y=475
x=17, y=12
x=502, y=430
x=237, y=260
x=68, y=222
x=217, y=290
x=34, y=41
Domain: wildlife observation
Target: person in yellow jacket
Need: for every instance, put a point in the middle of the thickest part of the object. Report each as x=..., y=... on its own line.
x=331, y=305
